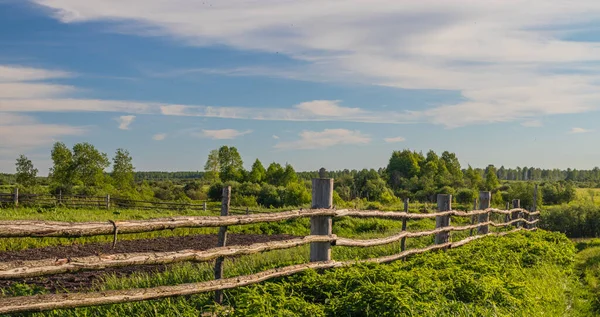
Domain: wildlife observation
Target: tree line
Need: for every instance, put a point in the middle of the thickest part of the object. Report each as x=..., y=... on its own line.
x=82, y=169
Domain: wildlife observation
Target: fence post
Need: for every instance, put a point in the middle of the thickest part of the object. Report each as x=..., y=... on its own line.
x=222, y=241
x=473, y=217
x=444, y=204
x=322, y=198
x=403, y=241
x=507, y=216
x=204, y=206
x=60, y=197
x=534, y=207
x=247, y=211
x=485, y=199
x=517, y=214
x=16, y=197
x=107, y=202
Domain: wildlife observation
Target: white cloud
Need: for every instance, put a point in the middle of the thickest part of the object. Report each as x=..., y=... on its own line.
x=532, y=123
x=507, y=63
x=579, y=130
x=125, y=121
x=224, y=134
x=275, y=137
x=159, y=136
x=395, y=139
x=17, y=73
x=316, y=110
x=20, y=133
x=324, y=139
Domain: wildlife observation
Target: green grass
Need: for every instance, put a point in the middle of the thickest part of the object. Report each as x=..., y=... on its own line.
x=523, y=274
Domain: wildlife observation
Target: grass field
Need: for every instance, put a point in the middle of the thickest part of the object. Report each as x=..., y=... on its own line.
x=588, y=195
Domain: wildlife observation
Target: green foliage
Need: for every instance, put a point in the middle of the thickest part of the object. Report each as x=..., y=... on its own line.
x=212, y=166
x=558, y=193
x=122, y=174
x=524, y=192
x=26, y=173
x=491, y=180
x=258, y=173
x=466, y=196
x=274, y=174
x=230, y=164
x=491, y=277
x=576, y=221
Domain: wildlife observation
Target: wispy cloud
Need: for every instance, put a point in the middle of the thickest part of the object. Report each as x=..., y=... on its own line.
x=224, y=134
x=324, y=139
x=579, y=130
x=532, y=123
x=159, y=136
x=316, y=110
x=275, y=137
x=20, y=133
x=125, y=121
x=395, y=139
x=506, y=66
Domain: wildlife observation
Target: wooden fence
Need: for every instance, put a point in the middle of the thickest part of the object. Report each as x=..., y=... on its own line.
x=321, y=241
x=84, y=201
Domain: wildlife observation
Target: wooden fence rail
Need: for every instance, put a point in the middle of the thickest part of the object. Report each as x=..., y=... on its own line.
x=321, y=241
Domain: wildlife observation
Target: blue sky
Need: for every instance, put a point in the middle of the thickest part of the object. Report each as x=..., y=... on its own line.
x=339, y=84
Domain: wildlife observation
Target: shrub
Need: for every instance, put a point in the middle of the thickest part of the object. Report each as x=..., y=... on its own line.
x=465, y=196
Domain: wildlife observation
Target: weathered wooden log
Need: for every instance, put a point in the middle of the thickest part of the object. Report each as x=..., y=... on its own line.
x=37, y=228
x=22, y=269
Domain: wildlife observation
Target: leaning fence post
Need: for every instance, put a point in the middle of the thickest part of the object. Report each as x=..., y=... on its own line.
x=485, y=199
x=222, y=241
x=322, y=198
x=107, y=201
x=444, y=204
x=473, y=217
x=403, y=241
x=517, y=214
x=16, y=197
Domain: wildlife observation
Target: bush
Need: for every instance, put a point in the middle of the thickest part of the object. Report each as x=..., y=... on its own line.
x=580, y=221
x=465, y=196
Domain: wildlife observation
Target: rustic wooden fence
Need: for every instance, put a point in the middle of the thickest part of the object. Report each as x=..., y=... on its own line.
x=321, y=241
x=85, y=201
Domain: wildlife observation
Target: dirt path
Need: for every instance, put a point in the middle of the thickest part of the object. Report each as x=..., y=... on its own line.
x=84, y=280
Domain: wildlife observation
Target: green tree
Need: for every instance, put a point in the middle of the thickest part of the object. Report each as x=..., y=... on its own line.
x=230, y=164
x=289, y=176
x=274, y=174
x=491, y=180
x=61, y=173
x=474, y=179
x=89, y=165
x=258, y=173
x=212, y=166
x=26, y=173
x=123, y=170
x=403, y=165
